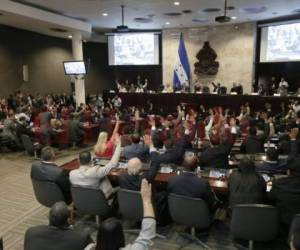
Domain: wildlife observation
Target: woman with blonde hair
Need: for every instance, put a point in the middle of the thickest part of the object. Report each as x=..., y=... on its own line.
x=104, y=146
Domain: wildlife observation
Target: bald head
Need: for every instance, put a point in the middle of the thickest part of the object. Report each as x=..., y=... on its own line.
x=134, y=166
x=190, y=162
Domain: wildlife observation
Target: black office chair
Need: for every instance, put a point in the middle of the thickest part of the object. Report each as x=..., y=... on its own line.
x=131, y=207
x=47, y=193
x=295, y=226
x=130, y=204
x=191, y=212
x=30, y=147
x=90, y=201
x=254, y=222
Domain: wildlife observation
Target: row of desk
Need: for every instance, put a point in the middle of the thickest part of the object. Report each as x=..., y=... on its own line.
x=169, y=101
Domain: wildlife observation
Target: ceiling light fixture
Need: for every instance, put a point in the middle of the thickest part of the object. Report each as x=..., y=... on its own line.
x=104, y=14
x=167, y=23
x=70, y=36
x=234, y=17
x=176, y=3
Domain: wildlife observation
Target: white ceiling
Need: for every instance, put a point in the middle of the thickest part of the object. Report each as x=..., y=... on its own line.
x=91, y=11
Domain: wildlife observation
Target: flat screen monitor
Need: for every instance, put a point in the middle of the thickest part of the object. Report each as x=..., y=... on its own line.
x=133, y=48
x=75, y=68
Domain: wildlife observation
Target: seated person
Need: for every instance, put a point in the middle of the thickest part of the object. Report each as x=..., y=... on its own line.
x=110, y=233
x=58, y=235
x=9, y=129
x=271, y=164
x=245, y=185
x=216, y=155
x=95, y=176
x=47, y=170
x=22, y=128
x=295, y=240
x=285, y=192
x=104, y=146
x=189, y=184
x=136, y=149
x=254, y=143
x=133, y=178
x=234, y=88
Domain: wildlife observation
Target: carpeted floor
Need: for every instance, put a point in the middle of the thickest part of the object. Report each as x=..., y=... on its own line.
x=19, y=210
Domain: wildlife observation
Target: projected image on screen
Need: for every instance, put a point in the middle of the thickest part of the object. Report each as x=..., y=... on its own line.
x=133, y=49
x=282, y=43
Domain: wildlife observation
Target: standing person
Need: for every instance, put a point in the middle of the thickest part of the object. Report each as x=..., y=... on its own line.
x=283, y=87
x=111, y=236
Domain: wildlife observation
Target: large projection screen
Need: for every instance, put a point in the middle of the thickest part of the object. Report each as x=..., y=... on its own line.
x=133, y=49
x=280, y=43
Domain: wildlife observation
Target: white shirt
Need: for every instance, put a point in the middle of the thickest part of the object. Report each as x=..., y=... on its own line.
x=283, y=84
x=96, y=177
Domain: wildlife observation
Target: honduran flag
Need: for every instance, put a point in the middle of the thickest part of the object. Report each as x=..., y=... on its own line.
x=181, y=76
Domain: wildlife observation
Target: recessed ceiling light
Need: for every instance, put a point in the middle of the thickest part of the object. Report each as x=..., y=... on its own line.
x=177, y=3
x=104, y=14
x=167, y=23
x=233, y=18
x=70, y=36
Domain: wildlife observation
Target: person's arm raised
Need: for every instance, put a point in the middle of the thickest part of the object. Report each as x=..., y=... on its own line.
x=116, y=129
x=146, y=193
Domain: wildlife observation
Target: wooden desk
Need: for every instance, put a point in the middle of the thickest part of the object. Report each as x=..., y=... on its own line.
x=161, y=178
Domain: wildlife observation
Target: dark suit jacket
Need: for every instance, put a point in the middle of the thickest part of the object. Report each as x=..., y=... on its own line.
x=133, y=182
x=285, y=193
x=216, y=157
x=136, y=150
x=42, y=171
x=51, y=238
x=190, y=185
x=255, y=144
x=271, y=167
x=23, y=130
x=76, y=130
x=246, y=191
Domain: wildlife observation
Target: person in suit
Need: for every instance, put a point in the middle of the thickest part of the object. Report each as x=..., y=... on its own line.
x=47, y=170
x=133, y=178
x=96, y=176
x=58, y=235
x=136, y=149
x=76, y=129
x=254, y=144
x=285, y=192
x=271, y=164
x=245, y=185
x=9, y=129
x=22, y=128
x=216, y=155
x=189, y=184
